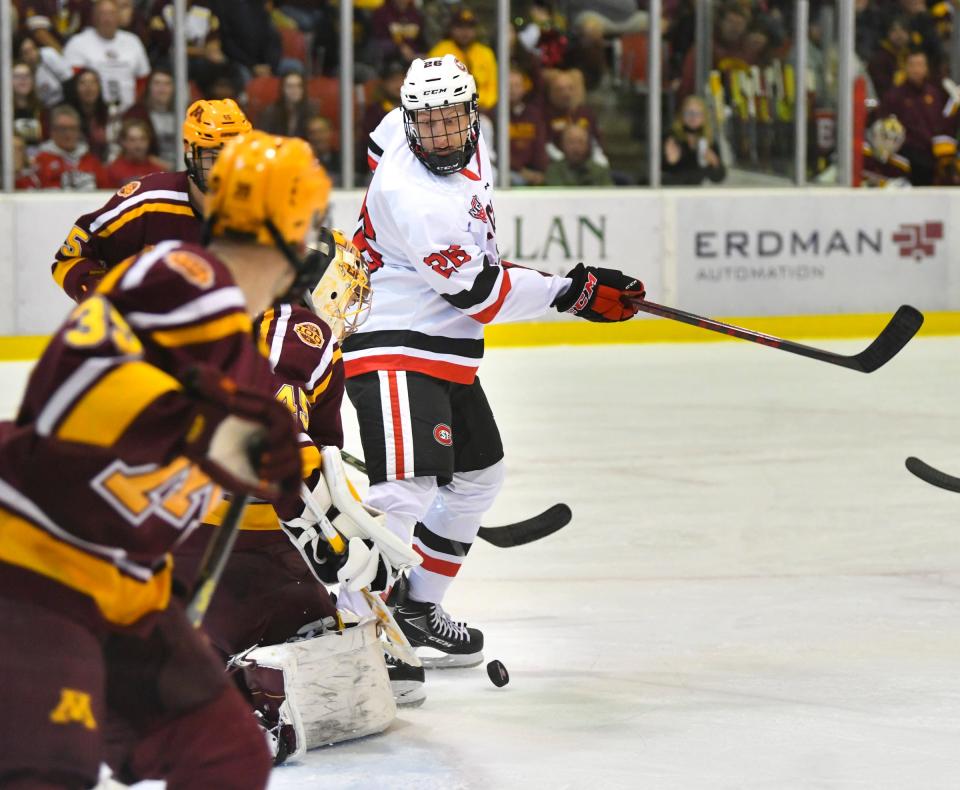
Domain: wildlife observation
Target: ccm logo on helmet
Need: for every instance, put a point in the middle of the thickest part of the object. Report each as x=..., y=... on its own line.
x=443, y=435
x=585, y=294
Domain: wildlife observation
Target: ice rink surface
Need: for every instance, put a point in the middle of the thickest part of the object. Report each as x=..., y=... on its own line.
x=754, y=593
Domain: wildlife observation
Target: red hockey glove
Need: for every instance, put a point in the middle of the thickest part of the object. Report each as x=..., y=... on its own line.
x=244, y=440
x=598, y=294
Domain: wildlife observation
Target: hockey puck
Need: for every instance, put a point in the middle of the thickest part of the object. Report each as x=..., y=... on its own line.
x=498, y=673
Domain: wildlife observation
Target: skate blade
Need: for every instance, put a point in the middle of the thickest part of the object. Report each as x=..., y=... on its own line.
x=435, y=659
x=408, y=693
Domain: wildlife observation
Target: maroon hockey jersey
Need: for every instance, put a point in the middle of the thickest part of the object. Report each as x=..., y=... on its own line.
x=93, y=489
x=305, y=373
x=140, y=214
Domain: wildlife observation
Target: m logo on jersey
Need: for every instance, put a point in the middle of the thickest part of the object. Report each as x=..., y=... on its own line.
x=477, y=210
x=192, y=268
x=443, y=435
x=74, y=706
x=128, y=189
x=309, y=333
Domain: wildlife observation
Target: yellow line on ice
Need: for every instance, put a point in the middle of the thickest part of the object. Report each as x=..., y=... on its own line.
x=654, y=330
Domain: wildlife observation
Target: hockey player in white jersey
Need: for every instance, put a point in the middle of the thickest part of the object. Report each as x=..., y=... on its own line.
x=428, y=231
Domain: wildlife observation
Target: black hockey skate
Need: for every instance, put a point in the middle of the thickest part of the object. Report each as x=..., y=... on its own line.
x=406, y=682
x=440, y=641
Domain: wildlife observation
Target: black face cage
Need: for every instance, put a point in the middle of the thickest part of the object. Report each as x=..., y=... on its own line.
x=195, y=167
x=450, y=162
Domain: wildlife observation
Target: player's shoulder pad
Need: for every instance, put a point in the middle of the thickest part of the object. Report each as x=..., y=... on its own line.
x=309, y=330
x=166, y=186
x=181, y=269
x=307, y=350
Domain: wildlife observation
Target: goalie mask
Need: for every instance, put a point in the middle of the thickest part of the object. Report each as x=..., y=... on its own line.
x=440, y=115
x=886, y=135
x=341, y=297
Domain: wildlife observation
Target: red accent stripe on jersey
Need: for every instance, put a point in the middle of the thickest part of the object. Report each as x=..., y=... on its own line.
x=486, y=315
x=447, y=371
x=372, y=163
x=397, y=424
x=468, y=174
x=434, y=565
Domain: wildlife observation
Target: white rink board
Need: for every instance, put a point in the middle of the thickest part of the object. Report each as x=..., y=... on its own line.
x=794, y=253
x=717, y=252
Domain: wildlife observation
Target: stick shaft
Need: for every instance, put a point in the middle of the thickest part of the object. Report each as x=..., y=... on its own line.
x=215, y=560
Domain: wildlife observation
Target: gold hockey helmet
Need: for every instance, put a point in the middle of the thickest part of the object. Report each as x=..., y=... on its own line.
x=271, y=190
x=207, y=125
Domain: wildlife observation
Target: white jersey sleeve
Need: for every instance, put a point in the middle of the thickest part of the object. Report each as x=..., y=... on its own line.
x=442, y=245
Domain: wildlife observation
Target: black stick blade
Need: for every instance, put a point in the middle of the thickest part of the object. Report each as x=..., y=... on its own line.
x=906, y=322
x=933, y=476
x=522, y=532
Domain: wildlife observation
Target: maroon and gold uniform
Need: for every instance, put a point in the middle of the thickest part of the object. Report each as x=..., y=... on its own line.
x=267, y=592
x=94, y=493
x=879, y=173
x=140, y=214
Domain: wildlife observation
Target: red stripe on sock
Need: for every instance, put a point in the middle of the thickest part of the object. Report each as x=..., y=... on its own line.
x=434, y=565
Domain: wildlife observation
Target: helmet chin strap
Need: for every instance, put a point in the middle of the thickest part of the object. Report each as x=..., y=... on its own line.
x=308, y=269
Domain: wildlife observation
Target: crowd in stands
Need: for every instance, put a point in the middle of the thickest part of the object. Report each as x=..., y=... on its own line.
x=93, y=88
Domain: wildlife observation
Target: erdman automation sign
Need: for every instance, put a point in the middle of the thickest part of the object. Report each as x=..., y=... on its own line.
x=811, y=252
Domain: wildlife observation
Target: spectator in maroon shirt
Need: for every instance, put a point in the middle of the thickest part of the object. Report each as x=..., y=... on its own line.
x=134, y=160
x=528, y=135
x=921, y=105
x=886, y=65
x=729, y=46
x=396, y=31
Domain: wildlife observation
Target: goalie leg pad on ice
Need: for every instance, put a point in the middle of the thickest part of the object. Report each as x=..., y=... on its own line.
x=335, y=686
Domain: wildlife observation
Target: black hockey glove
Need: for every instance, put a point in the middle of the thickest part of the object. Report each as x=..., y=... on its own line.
x=600, y=294
x=319, y=556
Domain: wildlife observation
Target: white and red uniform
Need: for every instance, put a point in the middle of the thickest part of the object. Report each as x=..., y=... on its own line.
x=437, y=279
x=431, y=242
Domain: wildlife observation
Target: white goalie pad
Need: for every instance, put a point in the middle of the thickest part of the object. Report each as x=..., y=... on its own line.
x=336, y=685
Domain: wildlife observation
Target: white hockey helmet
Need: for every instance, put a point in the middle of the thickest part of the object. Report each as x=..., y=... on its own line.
x=431, y=85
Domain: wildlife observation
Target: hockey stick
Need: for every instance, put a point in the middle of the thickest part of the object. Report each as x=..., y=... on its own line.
x=397, y=644
x=933, y=476
x=905, y=323
x=519, y=533
x=215, y=560
x=522, y=532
